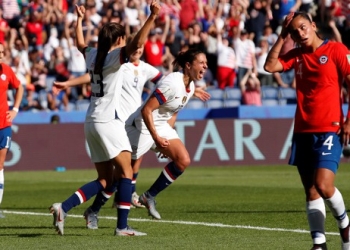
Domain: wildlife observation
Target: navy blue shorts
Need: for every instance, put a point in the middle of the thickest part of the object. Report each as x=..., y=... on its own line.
x=5, y=137
x=311, y=151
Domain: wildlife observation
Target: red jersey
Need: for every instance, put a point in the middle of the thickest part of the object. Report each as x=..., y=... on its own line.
x=3, y=24
x=7, y=79
x=319, y=77
x=153, y=53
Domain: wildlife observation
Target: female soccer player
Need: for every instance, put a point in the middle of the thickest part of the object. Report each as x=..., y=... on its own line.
x=8, y=80
x=106, y=148
x=319, y=128
x=153, y=122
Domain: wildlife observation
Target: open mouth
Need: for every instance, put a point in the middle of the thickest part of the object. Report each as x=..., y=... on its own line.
x=201, y=74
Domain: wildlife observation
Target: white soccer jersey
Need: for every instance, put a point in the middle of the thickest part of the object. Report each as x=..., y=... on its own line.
x=106, y=87
x=172, y=96
x=134, y=80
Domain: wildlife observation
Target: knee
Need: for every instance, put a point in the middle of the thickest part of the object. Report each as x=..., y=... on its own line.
x=324, y=190
x=183, y=162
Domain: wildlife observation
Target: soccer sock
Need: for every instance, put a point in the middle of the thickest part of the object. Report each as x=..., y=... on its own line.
x=169, y=174
x=124, y=201
x=102, y=197
x=81, y=195
x=1, y=184
x=337, y=207
x=316, y=216
x=133, y=182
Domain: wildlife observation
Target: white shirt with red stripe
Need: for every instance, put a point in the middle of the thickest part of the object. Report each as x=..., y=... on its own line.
x=134, y=79
x=172, y=96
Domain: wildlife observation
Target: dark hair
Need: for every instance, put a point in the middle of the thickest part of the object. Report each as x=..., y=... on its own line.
x=304, y=15
x=109, y=33
x=186, y=56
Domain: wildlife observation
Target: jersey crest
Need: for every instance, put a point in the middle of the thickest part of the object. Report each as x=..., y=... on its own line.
x=348, y=56
x=323, y=59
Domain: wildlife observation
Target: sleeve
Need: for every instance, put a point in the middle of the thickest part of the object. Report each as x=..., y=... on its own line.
x=287, y=60
x=343, y=59
x=153, y=74
x=13, y=80
x=164, y=92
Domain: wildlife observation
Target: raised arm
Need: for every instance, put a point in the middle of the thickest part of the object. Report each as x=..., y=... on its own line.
x=79, y=28
x=142, y=34
x=272, y=64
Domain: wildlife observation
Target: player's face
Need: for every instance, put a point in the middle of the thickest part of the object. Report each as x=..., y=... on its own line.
x=198, y=67
x=302, y=31
x=136, y=55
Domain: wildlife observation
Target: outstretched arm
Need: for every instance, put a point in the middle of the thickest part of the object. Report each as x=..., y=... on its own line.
x=58, y=86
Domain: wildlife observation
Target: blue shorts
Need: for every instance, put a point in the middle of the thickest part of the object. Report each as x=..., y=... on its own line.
x=311, y=151
x=5, y=137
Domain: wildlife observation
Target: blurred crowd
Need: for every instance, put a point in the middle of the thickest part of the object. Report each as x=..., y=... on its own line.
x=39, y=39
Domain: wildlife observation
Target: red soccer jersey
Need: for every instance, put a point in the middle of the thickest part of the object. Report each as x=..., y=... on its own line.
x=7, y=79
x=319, y=77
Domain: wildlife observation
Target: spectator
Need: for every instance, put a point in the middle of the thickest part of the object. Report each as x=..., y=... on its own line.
x=155, y=46
x=245, y=54
x=4, y=28
x=265, y=78
x=226, y=71
x=189, y=12
x=250, y=88
x=257, y=18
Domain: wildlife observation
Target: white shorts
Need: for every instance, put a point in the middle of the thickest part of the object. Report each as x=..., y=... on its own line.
x=106, y=139
x=141, y=143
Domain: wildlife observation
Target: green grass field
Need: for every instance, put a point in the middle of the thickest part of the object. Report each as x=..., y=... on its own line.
x=206, y=208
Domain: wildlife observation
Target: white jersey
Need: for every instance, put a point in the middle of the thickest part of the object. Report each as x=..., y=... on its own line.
x=134, y=80
x=172, y=96
x=226, y=56
x=105, y=87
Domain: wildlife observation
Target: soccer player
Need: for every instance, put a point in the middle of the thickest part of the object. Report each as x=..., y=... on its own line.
x=8, y=80
x=107, y=149
x=319, y=128
x=153, y=122
x=136, y=73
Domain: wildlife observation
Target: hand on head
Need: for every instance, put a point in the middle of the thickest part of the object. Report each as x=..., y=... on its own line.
x=285, y=25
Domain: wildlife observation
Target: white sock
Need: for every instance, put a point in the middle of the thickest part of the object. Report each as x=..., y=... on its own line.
x=1, y=184
x=316, y=216
x=337, y=207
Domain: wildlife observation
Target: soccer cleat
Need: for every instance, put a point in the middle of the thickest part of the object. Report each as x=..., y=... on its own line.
x=345, y=238
x=322, y=246
x=59, y=215
x=2, y=215
x=135, y=201
x=150, y=203
x=128, y=231
x=91, y=219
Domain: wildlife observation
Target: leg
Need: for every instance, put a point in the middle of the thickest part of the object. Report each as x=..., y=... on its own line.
x=134, y=196
x=315, y=210
x=181, y=159
x=3, y=153
x=60, y=210
x=334, y=200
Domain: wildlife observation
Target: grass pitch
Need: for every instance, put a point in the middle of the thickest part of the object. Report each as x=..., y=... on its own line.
x=206, y=208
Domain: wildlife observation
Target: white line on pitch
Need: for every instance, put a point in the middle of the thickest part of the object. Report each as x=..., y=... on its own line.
x=207, y=224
